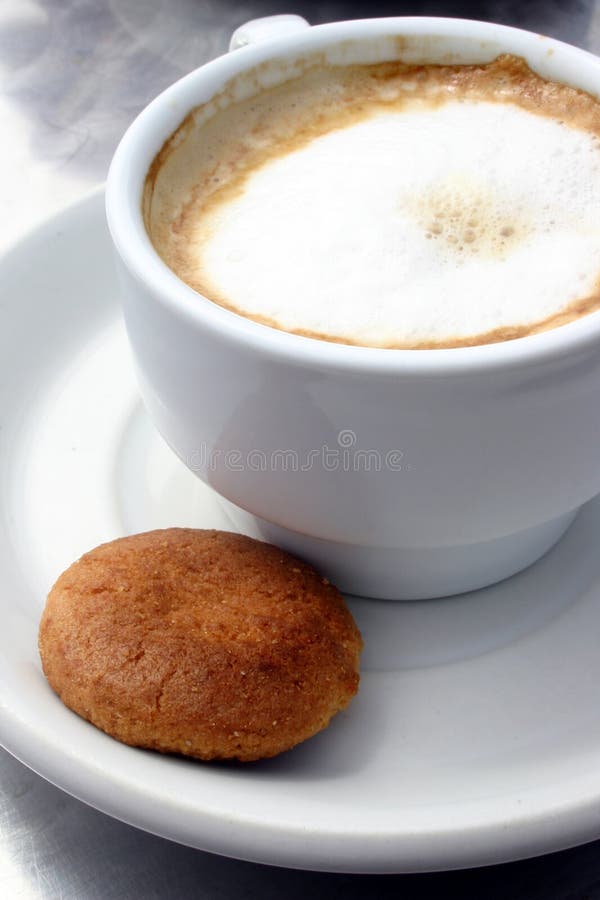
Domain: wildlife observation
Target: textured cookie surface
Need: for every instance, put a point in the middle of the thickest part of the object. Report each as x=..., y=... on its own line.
x=199, y=642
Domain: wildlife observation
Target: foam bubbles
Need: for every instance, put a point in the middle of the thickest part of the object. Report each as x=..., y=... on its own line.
x=419, y=225
x=467, y=217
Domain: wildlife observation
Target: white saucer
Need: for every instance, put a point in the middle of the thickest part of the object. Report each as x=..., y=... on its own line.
x=476, y=734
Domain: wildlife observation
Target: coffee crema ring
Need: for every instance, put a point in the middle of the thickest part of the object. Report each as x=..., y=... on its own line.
x=389, y=205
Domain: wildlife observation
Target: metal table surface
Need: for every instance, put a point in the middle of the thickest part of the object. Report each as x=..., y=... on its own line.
x=73, y=74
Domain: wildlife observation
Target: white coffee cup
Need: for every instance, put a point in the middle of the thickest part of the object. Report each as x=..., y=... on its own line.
x=401, y=474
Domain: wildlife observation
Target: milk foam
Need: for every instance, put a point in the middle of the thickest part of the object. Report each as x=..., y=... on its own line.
x=424, y=225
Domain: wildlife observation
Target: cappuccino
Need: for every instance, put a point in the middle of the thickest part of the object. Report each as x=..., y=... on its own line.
x=389, y=205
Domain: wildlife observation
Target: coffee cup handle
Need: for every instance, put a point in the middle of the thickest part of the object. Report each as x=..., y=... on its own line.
x=257, y=30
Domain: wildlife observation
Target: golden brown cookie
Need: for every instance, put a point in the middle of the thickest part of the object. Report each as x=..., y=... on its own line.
x=204, y=643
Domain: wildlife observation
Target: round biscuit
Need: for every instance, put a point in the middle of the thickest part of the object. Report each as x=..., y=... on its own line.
x=205, y=643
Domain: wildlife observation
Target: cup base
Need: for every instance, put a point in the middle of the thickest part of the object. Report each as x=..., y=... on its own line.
x=410, y=573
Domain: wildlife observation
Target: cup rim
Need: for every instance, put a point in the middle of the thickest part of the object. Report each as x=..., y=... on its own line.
x=161, y=117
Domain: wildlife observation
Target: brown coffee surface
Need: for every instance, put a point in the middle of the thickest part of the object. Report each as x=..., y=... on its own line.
x=211, y=162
